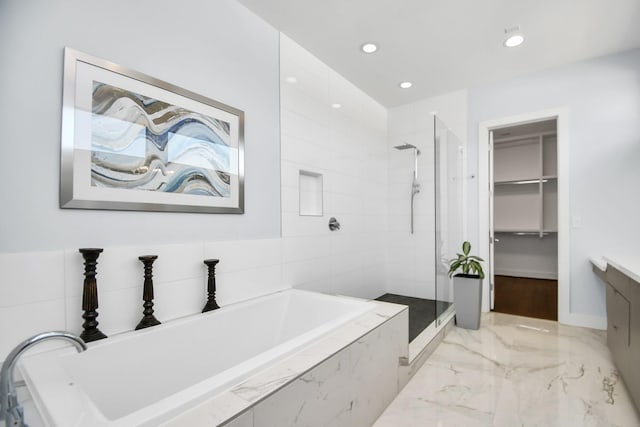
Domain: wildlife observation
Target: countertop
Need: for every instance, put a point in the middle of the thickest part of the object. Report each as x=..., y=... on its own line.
x=626, y=264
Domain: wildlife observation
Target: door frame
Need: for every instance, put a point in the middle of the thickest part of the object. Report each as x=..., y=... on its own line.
x=564, y=222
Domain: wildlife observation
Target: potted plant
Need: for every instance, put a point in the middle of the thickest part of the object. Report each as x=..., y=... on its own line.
x=467, y=274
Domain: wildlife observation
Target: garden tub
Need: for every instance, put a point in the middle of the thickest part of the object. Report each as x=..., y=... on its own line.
x=143, y=378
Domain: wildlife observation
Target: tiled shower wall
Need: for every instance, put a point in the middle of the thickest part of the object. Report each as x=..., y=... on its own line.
x=347, y=146
x=411, y=263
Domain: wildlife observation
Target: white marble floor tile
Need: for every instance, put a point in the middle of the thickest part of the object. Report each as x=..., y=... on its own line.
x=515, y=371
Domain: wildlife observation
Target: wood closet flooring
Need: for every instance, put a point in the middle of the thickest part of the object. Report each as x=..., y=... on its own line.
x=526, y=297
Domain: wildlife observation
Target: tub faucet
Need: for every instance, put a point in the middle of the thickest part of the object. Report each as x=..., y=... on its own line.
x=10, y=410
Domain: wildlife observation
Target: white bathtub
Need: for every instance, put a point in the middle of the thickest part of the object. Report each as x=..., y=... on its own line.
x=143, y=378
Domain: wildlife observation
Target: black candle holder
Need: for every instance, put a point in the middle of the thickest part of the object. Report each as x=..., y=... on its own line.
x=147, y=294
x=90, y=331
x=211, y=285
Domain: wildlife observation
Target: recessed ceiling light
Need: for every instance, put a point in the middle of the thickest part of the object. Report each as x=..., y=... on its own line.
x=291, y=79
x=336, y=105
x=369, y=47
x=405, y=85
x=514, y=40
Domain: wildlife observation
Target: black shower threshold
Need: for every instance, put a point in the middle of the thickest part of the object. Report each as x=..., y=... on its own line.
x=422, y=312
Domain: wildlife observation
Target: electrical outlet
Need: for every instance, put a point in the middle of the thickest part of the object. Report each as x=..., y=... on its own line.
x=576, y=222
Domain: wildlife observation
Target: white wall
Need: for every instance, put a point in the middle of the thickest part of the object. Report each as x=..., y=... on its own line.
x=347, y=146
x=603, y=101
x=217, y=49
x=410, y=258
x=526, y=256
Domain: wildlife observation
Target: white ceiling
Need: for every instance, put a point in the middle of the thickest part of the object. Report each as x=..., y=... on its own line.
x=446, y=45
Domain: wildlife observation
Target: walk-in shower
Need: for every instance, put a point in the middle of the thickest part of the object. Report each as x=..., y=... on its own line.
x=415, y=186
x=418, y=254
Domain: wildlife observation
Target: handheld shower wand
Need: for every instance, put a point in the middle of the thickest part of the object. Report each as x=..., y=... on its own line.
x=415, y=185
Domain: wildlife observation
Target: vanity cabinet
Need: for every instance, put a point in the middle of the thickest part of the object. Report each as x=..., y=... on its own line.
x=623, y=327
x=618, y=331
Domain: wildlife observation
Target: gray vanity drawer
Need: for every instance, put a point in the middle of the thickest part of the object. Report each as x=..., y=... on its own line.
x=634, y=323
x=618, y=333
x=619, y=281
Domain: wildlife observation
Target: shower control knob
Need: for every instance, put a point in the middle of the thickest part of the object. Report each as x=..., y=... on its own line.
x=334, y=224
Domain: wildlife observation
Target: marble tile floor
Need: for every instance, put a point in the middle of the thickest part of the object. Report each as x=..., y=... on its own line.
x=515, y=371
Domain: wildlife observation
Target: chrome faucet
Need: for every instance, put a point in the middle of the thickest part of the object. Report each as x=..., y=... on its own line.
x=10, y=410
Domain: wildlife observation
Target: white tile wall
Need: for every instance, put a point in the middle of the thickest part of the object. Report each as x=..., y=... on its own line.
x=244, y=284
x=411, y=263
x=298, y=273
x=300, y=129
x=305, y=248
x=348, y=147
x=178, y=299
x=42, y=291
x=21, y=321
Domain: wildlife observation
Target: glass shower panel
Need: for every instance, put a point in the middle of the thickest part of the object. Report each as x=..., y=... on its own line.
x=448, y=194
x=425, y=223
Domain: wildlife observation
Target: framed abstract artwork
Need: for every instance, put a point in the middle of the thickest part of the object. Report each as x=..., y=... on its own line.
x=133, y=142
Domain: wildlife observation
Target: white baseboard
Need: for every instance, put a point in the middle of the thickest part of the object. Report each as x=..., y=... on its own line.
x=583, y=320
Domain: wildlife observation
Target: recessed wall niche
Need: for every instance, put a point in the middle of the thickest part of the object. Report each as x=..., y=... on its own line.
x=310, y=192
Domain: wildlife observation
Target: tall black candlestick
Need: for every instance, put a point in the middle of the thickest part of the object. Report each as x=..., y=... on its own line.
x=147, y=294
x=211, y=285
x=90, y=330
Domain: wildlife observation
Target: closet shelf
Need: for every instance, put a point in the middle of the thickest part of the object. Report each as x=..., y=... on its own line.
x=525, y=187
x=537, y=180
x=526, y=232
x=518, y=182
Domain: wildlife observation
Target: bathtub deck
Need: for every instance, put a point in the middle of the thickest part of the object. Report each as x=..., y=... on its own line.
x=229, y=407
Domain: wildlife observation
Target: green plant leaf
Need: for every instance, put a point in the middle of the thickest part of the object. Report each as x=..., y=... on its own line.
x=453, y=267
x=477, y=268
x=468, y=264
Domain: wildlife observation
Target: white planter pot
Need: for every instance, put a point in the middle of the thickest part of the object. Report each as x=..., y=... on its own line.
x=467, y=297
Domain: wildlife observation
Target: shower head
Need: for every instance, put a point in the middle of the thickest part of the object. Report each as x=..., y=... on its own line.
x=405, y=146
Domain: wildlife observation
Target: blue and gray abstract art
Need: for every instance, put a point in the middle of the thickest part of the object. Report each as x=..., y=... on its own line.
x=141, y=143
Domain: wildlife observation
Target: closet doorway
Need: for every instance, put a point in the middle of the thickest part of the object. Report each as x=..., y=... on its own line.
x=524, y=219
